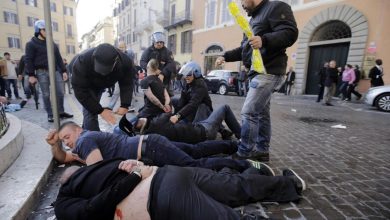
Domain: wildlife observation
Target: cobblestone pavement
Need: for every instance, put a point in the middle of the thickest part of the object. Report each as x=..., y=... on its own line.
x=347, y=170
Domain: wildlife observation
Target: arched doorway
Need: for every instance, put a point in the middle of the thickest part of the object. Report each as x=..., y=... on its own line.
x=347, y=14
x=330, y=41
x=211, y=54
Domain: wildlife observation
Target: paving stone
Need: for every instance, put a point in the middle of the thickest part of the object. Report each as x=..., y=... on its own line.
x=348, y=211
x=292, y=214
x=311, y=214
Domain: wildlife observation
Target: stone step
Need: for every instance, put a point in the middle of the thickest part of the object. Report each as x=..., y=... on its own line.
x=21, y=183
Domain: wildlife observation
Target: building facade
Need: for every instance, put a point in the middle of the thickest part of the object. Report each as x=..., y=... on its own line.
x=349, y=31
x=179, y=29
x=135, y=21
x=17, y=25
x=103, y=32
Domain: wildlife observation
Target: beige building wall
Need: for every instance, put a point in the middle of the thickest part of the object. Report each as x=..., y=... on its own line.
x=24, y=32
x=182, y=22
x=103, y=32
x=228, y=35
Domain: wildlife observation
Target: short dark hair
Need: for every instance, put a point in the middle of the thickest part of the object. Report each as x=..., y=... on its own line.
x=6, y=53
x=68, y=123
x=378, y=62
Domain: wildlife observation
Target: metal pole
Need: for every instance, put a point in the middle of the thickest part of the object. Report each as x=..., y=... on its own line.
x=51, y=62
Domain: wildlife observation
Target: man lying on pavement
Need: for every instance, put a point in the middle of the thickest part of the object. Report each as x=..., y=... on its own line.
x=154, y=149
x=130, y=190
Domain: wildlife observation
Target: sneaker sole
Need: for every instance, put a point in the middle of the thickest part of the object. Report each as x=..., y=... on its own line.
x=257, y=165
x=300, y=179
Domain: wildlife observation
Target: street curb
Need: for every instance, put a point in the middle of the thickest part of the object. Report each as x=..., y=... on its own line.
x=11, y=144
x=21, y=184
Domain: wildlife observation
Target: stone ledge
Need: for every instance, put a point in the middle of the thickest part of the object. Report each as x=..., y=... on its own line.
x=11, y=143
x=21, y=184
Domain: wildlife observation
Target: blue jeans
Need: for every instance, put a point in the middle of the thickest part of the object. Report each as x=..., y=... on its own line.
x=14, y=83
x=90, y=120
x=160, y=151
x=213, y=123
x=44, y=83
x=255, y=114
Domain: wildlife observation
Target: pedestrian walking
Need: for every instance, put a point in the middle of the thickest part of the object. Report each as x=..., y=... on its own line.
x=330, y=83
x=351, y=87
x=290, y=78
x=321, y=81
x=376, y=74
x=348, y=78
x=242, y=78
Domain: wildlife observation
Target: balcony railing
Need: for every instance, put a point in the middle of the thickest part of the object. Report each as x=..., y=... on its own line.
x=4, y=123
x=181, y=18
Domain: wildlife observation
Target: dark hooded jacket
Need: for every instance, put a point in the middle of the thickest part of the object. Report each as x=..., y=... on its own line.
x=274, y=22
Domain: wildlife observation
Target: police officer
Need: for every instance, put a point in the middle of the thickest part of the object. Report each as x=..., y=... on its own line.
x=195, y=103
x=93, y=71
x=163, y=55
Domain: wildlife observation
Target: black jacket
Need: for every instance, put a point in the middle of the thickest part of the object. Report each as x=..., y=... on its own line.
x=36, y=56
x=376, y=77
x=332, y=76
x=180, y=132
x=191, y=97
x=292, y=78
x=85, y=80
x=274, y=22
x=22, y=65
x=322, y=74
x=161, y=55
x=93, y=192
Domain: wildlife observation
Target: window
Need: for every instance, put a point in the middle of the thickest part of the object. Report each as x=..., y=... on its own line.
x=68, y=11
x=14, y=42
x=210, y=13
x=31, y=2
x=10, y=17
x=225, y=14
x=53, y=7
x=31, y=21
x=135, y=19
x=70, y=49
x=172, y=43
x=134, y=37
x=128, y=39
x=69, y=31
x=173, y=13
x=55, y=26
x=186, y=42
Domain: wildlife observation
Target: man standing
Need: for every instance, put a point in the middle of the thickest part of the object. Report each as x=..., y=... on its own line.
x=37, y=69
x=289, y=80
x=242, y=82
x=376, y=74
x=330, y=82
x=321, y=82
x=93, y=71
x=274, y=30
x=11, y=77
x=162, y=54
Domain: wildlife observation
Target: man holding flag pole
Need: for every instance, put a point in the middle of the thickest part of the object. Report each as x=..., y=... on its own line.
x=271, y=29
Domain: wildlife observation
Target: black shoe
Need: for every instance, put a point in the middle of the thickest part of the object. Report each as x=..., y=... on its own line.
x=66, y=115
x=358, y=98
x=328, y=104
x=254, y=155
x=50, y=119
x=23, y=103
x=262, y=167
x=299, y=183
x=226, y=134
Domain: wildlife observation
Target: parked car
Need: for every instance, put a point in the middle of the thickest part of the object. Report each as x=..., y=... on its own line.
x=379, y=97
x=222, y=81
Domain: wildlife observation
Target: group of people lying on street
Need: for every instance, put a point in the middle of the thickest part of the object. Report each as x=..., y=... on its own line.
x=164, y=165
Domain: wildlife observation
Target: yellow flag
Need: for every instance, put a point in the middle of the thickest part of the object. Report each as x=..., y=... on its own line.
x=257, y=60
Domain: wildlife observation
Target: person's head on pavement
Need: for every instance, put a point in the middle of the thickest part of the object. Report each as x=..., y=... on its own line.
x=158, y=40
x=39, y=29
x=191, y=71
x=106, y=59
x=69, y=132
x=3, y=100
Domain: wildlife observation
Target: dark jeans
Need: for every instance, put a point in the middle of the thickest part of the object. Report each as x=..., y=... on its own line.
x=213, y=123
x=160, y=151
x=351, y=89
x=2, y=86
x=344, y=88
x=14, y=83
x=321, y=93
x=90, y=121
x=196, y=193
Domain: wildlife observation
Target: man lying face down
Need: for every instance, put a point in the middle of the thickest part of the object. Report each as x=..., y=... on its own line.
x=94, y=146
x=130, y=190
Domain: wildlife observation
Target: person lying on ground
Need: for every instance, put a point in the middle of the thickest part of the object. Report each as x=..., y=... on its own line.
x=154, y=149
x=129, y=190
x=8, y=107
x=186, y=132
